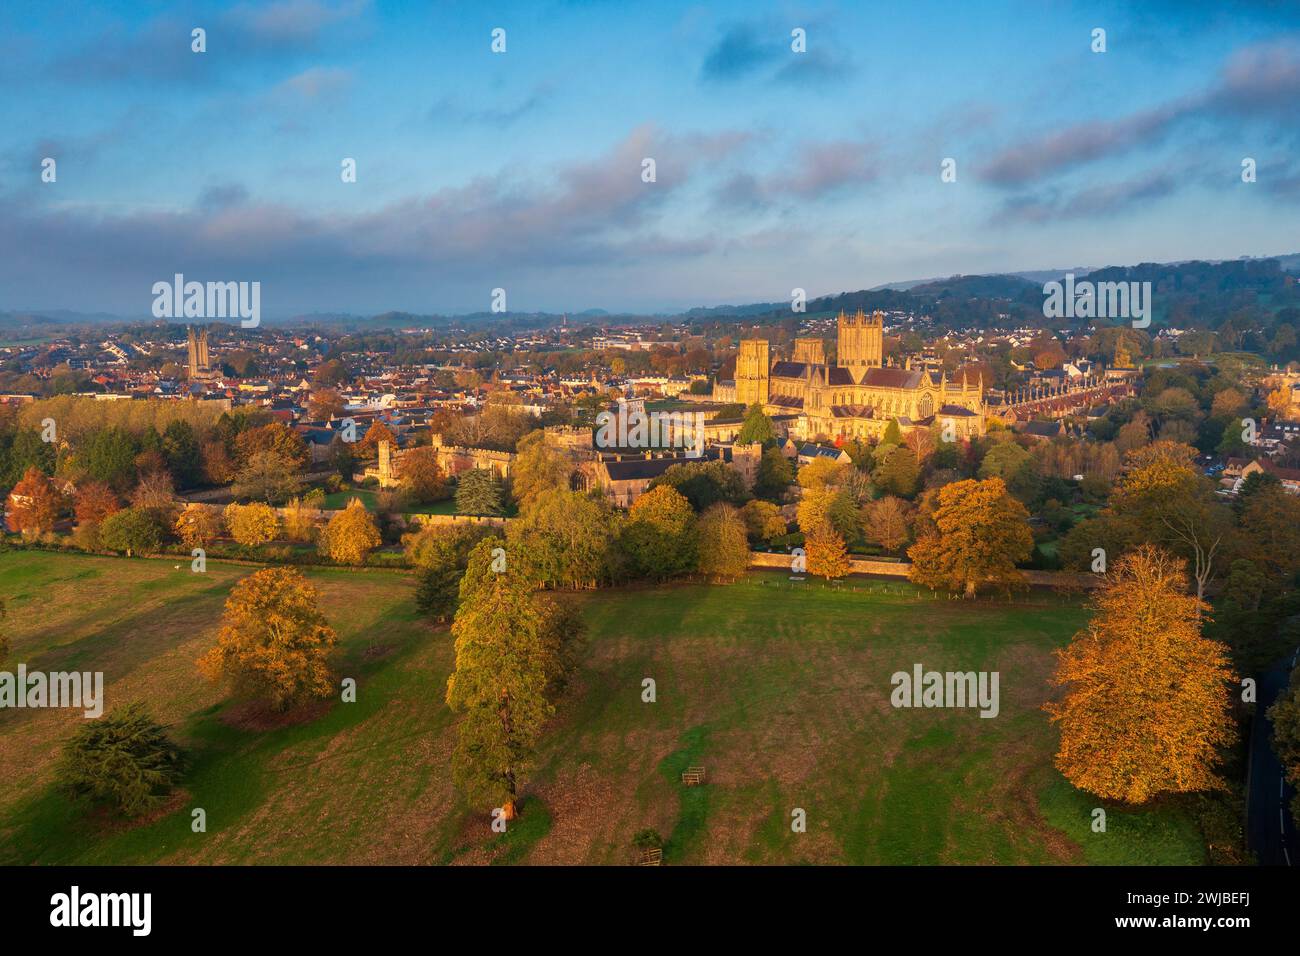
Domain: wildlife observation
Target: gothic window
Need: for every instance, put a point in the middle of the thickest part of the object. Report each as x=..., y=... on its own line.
x=925, y=407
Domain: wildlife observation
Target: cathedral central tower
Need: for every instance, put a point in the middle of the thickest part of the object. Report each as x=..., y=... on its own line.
x=861, y=343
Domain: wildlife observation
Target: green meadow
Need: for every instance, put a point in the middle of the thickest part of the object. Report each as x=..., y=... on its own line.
x=780, y=690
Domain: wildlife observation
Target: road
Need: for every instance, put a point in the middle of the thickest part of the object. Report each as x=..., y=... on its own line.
x=1270, y=829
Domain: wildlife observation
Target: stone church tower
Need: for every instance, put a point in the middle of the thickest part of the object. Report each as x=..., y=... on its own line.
x=861, y=344
x=752, y=372
x=200, y=363
x=810, y=351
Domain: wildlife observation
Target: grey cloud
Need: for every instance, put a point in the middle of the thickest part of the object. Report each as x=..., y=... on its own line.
x=1100, y=201
x=592, y=213
x=1261, y=81
x=819, y=170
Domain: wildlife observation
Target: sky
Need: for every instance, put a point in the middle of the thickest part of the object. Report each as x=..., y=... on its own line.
x=524, y=170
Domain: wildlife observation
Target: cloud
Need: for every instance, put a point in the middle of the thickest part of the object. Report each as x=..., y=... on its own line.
x=315, y=83
x=740, y=51
x=160, y=48
x=86, y=148
x=453, y=109
x=506, y=224
x=819, y=170
x=1099, y=201
x=293, y=22
x=1259, y=82
x=1035, y=159
x=763, y=49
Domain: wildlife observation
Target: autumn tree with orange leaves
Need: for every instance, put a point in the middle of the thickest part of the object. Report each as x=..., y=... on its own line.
x=1146, y=707
x=35, y=503
x=827, y=555
x=350, y=535
x=981, y=532
x=274, y=642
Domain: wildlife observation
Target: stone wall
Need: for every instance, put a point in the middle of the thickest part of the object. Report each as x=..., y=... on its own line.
x=899, y=569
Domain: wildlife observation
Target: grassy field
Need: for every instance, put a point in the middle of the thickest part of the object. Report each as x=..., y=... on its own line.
x=780, y=691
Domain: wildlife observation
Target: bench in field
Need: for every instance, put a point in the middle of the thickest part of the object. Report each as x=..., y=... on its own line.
x=693, y=776
x=651, y=856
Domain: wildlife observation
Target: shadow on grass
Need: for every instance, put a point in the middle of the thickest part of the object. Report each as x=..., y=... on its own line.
x=695, y=801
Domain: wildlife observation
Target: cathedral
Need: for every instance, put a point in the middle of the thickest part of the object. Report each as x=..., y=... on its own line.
x=857, y=395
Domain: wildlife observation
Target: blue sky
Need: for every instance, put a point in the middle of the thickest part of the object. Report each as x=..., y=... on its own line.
x=522, y=170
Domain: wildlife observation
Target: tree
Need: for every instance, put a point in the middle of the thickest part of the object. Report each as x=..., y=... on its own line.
x=180, y=449
x=4, y=637
x=659, y=535
x=108, y=455
x=124, y=759
x=893, y=434
x=898, y=473
x=1169, y=503
x=377, y=432
x=267, y=475
x=196, y=526
x=302, y=516
x=154, y=493
x=276, y=437
x=763, y=520
x=775, y=474
x=704, y=483
x=980, y=533
x=1279, y=400
x=274, y=642
x=724, y=550
x=131, y=531
x=216, y=466
x=1285, y=716
x=565, y=539
x=505, y=666
x=251, y=525
x=827, y=555
x=35, y=504
x=421, y=476
x=440, y=555
x=828, y=506
x=538, y=467
x=1015, y=466
x=350, y=535
x=23, y=449
x=757, y=427
x=1270, y=519
x=821, y=473
x=1146, y=709
x=325, y=404
x=886, y=522
x=94, y=501
x=478, y=492
x=342, y=458
x=331, y=372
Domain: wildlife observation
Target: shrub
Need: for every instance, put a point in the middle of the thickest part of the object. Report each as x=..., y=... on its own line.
x=124, y=759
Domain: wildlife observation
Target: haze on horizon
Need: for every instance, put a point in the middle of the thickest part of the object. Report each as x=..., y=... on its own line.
x=523, y=170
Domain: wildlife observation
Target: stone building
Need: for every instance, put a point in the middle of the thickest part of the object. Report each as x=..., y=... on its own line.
x=199, y=361
x=857, y=395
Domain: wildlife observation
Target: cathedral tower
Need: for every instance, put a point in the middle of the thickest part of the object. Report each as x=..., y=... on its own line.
x=861, y=343
x=752, y=370
x=199, y=361
x=810, y=351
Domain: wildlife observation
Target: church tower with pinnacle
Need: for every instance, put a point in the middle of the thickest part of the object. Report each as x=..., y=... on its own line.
x=861, y=343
